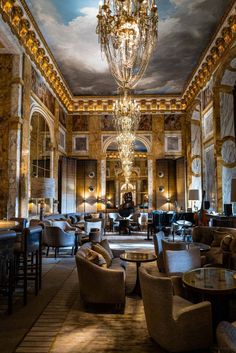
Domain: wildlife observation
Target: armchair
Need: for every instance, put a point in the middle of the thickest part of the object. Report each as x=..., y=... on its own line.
x=226, y=337
x=173, y=322
x=56, y=237
x=177, y=262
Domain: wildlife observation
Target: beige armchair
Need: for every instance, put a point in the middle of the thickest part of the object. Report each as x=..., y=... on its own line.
x=180, y=261
x=99, y=284
x=170, y=245
x=173, y=322
x=226, y=337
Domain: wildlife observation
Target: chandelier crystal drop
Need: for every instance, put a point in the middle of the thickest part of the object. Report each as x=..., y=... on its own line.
x=127, y=31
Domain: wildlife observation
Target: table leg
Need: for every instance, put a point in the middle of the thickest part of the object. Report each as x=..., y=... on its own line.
x=149, y=229
x=137, y=289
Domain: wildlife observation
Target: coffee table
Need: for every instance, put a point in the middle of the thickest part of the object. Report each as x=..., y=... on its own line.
x=138, y=258
x=213, y=284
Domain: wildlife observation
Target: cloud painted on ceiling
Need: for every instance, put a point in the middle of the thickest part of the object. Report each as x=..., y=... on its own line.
x=185, y=29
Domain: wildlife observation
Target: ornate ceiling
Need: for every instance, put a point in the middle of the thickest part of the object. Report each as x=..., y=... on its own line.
x=186, y=27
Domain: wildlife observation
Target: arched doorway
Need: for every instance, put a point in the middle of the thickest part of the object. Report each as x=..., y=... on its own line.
x=40, y=160
x=115, y=181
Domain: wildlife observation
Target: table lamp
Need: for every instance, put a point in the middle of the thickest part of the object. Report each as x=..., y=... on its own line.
x=233, y=194
x=193, y=195
x=42, y=188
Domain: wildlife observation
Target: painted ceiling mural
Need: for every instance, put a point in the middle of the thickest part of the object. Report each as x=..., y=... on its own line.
x=185, y=29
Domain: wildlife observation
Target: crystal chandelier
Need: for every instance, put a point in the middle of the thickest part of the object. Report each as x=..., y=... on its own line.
x=126, y=113
x=127, y=31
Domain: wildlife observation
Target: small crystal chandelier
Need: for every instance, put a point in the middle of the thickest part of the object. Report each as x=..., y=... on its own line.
x=127, y=31
x=126, y=113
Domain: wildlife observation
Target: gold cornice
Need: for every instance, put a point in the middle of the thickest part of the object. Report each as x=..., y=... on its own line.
x=34, y=23
x=22, y=26
x=221, y=44
x=214, y=37
x=148, y=104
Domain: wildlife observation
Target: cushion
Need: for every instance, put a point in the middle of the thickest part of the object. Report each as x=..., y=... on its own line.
x=102, y=251
x=105, y=244
x=95, y=258
x=225, y=242
x=218, y=236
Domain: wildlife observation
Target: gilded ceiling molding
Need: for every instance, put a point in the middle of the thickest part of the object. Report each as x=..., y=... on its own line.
x=148, y=104
x=15, y=14
x=220, y=45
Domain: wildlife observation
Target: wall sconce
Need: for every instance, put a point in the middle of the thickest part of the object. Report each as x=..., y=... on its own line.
x=168, y=200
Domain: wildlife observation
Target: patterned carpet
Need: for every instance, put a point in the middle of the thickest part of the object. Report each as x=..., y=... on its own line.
x=64, y=326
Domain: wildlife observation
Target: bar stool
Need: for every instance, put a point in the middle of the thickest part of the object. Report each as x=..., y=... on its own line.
x=29, y=260
x=7, y=242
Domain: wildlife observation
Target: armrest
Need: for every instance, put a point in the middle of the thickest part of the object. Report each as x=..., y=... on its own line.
x=177, y=284
x=194, y=313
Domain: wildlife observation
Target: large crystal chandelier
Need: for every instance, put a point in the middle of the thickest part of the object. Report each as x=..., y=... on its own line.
x=127, y=30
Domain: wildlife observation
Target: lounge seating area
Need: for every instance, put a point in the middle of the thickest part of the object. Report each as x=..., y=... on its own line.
x=117, y=176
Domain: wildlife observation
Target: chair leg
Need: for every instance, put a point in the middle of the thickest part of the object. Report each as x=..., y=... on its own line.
x=55, y=254
x=47, y=251
x=36, y=272
x=40, y=268
x=25, y=285
x=10, y=285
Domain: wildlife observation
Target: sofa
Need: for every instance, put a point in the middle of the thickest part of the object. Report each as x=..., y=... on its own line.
x=99, y=284
x=222, y=242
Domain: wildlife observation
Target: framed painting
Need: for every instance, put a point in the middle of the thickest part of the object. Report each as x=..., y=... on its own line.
x=62, y=139
x=173, y=143
x=80, y=144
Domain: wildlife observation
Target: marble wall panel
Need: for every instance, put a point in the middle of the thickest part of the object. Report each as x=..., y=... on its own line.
x=195, y=140
x=233, y=63
x=196, y=114
x=145, y=123
x=226, y=114
x=172, y=122
x=227, y=175
x=207, y=95
x=42, y=92
x=208, y=124
x=229, y=78
x=210, y=175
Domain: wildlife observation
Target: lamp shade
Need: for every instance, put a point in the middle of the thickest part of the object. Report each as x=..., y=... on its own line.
x=193, y=195
x=42, y=188
x=233, y=190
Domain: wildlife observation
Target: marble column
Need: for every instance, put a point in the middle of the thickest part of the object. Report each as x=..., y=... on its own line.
x=54, y=157
x=150, y=183
x=25, y=157
x=138, y=192
x=14, y=141
x=103, y=181
x=117, y=197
